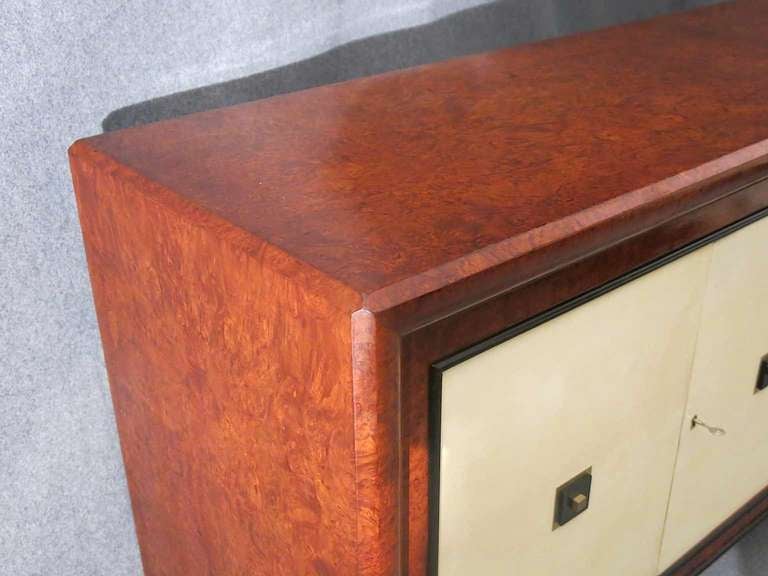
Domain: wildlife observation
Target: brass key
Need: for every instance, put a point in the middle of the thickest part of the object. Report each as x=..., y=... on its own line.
x=714, y=430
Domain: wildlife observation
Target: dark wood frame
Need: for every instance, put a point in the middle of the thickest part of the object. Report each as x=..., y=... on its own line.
x=696, y=556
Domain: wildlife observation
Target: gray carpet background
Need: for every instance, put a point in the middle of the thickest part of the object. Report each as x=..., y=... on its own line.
x=71, y=69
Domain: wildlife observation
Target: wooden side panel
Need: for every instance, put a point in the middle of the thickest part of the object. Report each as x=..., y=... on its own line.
x=232, y=390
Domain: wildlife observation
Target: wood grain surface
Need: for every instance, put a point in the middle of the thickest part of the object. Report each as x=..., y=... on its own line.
x=399, y=184
x=231, y=381
x=273, y=280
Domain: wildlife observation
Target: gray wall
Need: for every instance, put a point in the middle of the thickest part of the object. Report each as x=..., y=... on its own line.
x=69, y=68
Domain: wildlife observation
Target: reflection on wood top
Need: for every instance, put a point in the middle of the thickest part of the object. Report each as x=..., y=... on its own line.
x=399, y=185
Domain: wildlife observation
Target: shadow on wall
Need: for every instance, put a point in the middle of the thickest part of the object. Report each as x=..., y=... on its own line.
x=487, y=27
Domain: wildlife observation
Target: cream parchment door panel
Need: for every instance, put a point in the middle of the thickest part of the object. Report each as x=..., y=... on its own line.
x=716, y=475
x=603, y=385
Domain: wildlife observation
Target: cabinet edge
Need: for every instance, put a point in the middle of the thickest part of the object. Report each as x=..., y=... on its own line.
x=721, y=538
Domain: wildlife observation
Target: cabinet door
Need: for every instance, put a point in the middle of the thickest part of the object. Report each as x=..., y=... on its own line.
x=602, y=386
x=715, y=475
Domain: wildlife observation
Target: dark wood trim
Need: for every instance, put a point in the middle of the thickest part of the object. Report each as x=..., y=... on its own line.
x=722, y=538
x=437, y=369
x=518, y=329
x=515, y=263
x=435, y=419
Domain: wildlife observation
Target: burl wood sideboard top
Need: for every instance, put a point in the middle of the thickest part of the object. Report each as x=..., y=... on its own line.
x=396, y=187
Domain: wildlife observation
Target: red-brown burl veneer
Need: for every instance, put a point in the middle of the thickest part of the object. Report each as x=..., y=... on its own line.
x=274, y=280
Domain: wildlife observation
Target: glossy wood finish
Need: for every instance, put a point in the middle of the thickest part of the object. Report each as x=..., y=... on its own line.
x=273, y=280
x=376, y=354
x=232, y=389
x=401, y=184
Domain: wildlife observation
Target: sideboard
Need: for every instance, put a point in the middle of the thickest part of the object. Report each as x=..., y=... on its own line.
x=506, y=314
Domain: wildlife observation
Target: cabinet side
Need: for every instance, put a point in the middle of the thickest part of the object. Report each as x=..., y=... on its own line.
x=230, y=371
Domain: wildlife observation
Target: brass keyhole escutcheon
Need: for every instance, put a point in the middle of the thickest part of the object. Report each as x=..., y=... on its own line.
x=572, y=498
